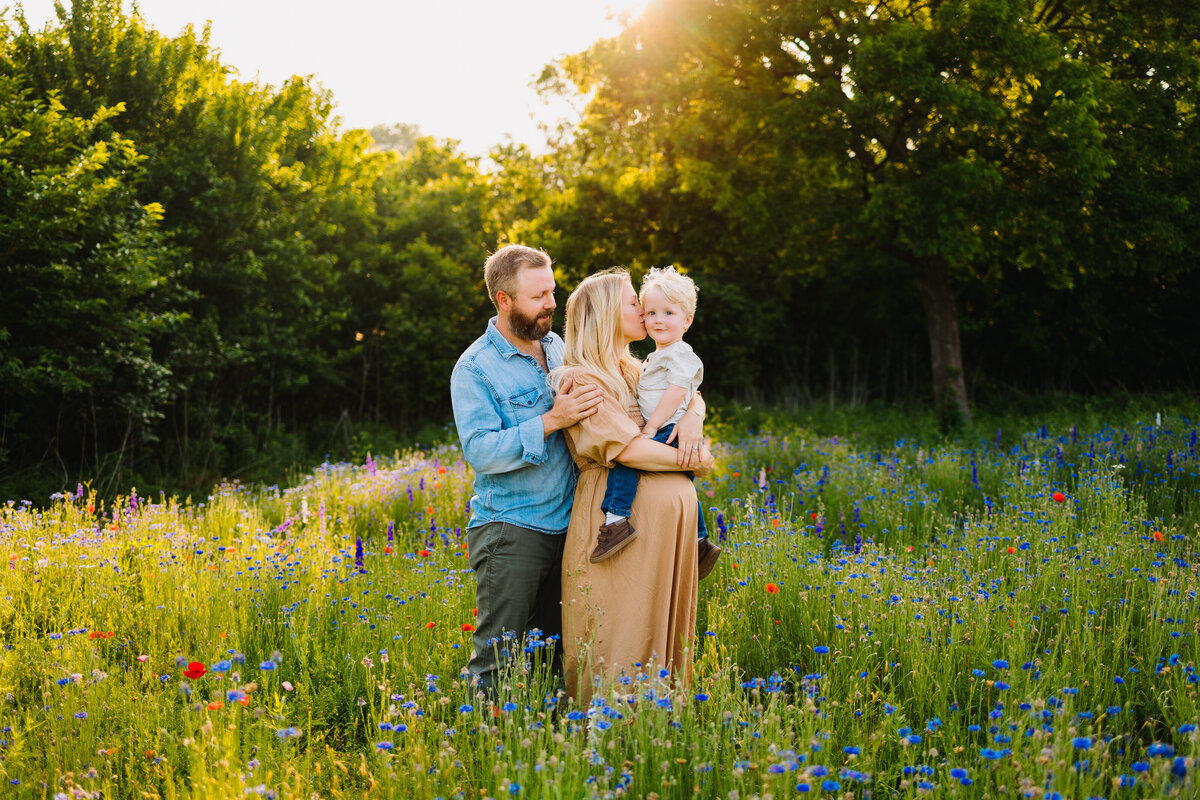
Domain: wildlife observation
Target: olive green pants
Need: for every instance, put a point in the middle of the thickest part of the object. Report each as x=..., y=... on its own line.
x=517, y=590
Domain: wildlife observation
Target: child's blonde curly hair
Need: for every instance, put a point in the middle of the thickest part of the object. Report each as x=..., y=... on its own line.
x=675, y=287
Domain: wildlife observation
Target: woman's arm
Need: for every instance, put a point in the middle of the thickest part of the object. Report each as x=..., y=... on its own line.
x=648, y=455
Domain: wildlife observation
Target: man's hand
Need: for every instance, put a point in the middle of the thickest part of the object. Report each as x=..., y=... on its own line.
x=572, y=404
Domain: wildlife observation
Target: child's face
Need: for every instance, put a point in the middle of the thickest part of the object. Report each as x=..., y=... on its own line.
x=665, y=322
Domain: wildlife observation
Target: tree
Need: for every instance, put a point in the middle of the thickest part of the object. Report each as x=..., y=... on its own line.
x=87, y=281
x=944, y=140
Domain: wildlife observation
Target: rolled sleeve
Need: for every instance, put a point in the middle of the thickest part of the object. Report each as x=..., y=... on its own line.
x=533, y=440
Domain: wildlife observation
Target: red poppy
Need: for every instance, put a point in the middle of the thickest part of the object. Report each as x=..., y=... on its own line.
x=474, y=612
x=1059, y=497
x=195, y=670
x=1157, y=536
x=424, y=554
x=215, y=705
x=1012, y=550
x=772, y=588
x=441, y=470
x=468, y=627
x=812, y=515
x=429, y=624
x=387, y=550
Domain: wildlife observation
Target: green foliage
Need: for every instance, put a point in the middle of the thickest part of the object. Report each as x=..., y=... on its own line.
x=208, y=261
x=204, y=275
x=858, y=145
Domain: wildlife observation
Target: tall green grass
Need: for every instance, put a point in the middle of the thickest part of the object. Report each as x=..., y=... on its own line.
x=990, y=615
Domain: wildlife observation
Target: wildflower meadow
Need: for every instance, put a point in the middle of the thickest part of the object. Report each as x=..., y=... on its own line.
x=1009, y=614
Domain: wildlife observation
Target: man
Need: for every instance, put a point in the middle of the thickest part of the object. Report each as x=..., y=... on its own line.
x=509, y=426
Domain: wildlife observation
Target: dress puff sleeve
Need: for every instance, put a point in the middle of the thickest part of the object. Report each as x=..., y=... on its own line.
x=602, y=436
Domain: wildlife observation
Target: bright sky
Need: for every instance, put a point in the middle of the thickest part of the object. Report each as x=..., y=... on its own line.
x=460, y=69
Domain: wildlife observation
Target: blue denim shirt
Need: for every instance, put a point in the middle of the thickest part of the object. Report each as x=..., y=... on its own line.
x=499, y=395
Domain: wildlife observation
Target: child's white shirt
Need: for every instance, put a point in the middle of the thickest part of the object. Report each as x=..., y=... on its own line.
x=674, y=365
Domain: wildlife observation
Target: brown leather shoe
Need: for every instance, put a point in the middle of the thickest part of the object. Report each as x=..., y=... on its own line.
x=612, y=539
x=709, y=553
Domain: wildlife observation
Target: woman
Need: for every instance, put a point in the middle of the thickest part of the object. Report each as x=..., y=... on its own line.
x=638, y=609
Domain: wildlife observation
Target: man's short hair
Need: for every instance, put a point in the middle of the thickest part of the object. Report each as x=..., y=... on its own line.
x=501, y=269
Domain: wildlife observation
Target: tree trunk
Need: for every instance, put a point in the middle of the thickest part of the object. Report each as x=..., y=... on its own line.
x=945, y=346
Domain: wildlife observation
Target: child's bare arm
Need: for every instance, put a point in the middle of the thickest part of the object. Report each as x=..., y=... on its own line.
x=670, y=401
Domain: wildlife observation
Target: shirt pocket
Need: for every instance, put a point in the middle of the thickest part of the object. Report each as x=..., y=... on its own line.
x=525, y=399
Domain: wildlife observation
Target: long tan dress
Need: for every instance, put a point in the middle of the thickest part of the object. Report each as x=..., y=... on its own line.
x=639, y=606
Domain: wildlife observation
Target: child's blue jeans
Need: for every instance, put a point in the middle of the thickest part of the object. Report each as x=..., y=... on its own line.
x=622, y=487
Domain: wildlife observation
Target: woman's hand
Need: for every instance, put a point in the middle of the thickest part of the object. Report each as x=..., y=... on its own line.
x=704, y=462
x=690, y=433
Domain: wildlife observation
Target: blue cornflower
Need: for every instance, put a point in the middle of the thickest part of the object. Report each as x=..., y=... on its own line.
x=1161, y=750
x=384, y=745
x=1139, y=766
x=830, y=785
x=1081, y=743
x=1000, y=663
x=465, y=709
x=1000, y=686
x=267, y=665
x=820, y=649
x=851, y=750
x=958, y=773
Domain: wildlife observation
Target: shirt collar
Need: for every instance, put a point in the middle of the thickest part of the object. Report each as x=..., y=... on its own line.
x=504, y=346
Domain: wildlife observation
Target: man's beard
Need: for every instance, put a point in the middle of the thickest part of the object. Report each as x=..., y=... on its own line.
x=531, y=329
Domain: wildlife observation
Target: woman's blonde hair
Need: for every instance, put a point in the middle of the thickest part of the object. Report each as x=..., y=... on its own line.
x=593, y=336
